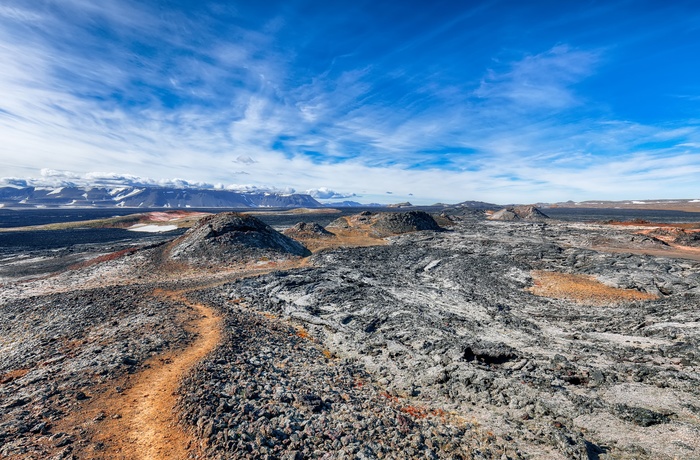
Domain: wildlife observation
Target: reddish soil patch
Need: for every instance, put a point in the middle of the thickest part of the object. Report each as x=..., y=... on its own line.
x=582, y=289
x=103, y=258
x=13, y=375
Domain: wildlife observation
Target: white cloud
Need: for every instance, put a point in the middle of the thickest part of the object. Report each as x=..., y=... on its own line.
x=244, y=159
x=542, y=80
x=324, y=193
x=13, y=182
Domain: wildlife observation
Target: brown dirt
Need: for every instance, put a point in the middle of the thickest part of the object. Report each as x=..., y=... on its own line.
x=653, y=225
x=139, y=422
x=293, y=211
x=615, y=205
x=13, y=375
x=582, y=289
x=344, y=238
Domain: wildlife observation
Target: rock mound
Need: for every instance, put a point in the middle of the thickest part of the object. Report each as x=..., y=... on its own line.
x=405, y=222
x=304, y=230
x=383, y=224
x=232, y=237
x=519, y=213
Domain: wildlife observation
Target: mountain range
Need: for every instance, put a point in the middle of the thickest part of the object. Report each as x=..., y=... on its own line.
x=148, y=197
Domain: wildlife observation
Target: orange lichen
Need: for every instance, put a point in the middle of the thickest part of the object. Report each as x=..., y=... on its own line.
x=303, y=333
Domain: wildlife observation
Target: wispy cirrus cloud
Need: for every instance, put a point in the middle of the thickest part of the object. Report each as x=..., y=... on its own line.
x=540, y=81
x=220, y=93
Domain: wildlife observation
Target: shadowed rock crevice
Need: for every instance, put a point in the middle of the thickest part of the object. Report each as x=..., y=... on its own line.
x=486, y=353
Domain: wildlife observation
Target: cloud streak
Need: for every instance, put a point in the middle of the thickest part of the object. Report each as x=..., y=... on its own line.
x=214, y=98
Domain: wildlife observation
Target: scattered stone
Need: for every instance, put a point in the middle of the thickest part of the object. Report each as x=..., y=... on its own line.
x=429, y=346
x=640, y=416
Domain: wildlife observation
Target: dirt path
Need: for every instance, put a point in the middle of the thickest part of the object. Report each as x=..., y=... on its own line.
x=146, y=427
x=133, y=417
x=154, y=395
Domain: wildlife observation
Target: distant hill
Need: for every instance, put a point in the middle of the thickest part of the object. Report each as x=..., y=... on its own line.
x=350, y=204
x=475, y=205
x=681, y=204
x=230, y=237
x=148, y=197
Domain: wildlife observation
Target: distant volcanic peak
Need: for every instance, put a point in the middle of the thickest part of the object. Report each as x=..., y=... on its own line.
x=527, y=212
x=232, y=237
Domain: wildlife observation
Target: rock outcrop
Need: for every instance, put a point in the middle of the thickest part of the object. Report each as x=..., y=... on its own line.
x=519, y=213
x=232, y=237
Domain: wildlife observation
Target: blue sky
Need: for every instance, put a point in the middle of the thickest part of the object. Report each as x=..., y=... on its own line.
x=432, y=101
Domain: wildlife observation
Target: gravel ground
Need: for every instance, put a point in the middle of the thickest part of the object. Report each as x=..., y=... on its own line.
x=58, y=351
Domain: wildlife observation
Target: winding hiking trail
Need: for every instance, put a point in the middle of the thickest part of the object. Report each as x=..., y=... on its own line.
x=152, y=425
x=146, y=427
x=139, y=422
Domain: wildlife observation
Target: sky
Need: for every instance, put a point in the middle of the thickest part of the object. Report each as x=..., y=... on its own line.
x=372, y=101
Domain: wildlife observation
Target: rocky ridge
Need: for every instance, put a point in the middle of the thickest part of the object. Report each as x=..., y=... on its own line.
x=447, y=318
x=304, y=230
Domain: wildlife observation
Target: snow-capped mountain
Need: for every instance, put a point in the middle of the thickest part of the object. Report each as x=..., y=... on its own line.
x=148, y=197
